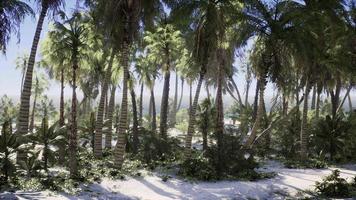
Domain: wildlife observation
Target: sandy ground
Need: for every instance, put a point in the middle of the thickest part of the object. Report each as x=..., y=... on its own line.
x=288, y=182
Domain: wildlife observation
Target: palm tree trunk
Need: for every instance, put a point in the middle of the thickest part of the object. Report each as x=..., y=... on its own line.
x=32, y=121
x=135, y=122
x=122, y=127
x=153, y=107
x=312, y=107
x=164, y=105
x=61, y=104
x=190, y=96
x=181, y=94
x=255, y=103
x=248, y=83
x=174, y=106
x=73, y=128
x=350, y=104
x=192, y=111
x=259, y=114
x=26, y=91
x=107, y=103
x=220, y=119
x=284, y=104
x=108, y=131
x=62, y=149
x=207, y=90
x=317, y=107
x=303, y=130
x=98, y=140
x=140, y=106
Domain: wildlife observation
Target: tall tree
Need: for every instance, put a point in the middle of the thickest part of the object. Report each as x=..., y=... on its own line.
x=23, y=118
x=72, y=35
x=166, y=41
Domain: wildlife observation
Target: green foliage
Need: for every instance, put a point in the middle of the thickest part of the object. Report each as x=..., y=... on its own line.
x=8, y=147
x=310, y=163
x=333, y=186
x=8, y=109
x=329, y=137
x=197, y=166
x=286, y=136
x=154, y=150
x=32, y=164
x=47, y=140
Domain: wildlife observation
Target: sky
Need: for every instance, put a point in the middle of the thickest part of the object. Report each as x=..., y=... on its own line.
x=10, y=77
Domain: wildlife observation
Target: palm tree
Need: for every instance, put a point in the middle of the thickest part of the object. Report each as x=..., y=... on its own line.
x=56, y=65
x=12, y=13
x=205, y=18
x=123, y=17
x=39, y=87
x=100, y=115
x=72, y=35
x=23, y=118
x=168, y=42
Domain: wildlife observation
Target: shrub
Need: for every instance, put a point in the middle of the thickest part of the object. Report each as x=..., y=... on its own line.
x=154, y=150
x=197, y=167
x=329, y=137
x=310, y=163
x=333, y=186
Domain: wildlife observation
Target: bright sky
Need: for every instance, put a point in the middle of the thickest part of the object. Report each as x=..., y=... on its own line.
x=10, y=78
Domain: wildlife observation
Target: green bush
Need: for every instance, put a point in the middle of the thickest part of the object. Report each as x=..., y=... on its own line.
x=154, y=150
x=329, y=136
x=310, y=163
x=333, y=186
x=197, y=166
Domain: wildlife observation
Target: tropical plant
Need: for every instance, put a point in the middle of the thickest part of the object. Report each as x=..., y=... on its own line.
x=8, y=147
x=13, y=12
x=72, y=35
x=23, y=118
x=47, y=138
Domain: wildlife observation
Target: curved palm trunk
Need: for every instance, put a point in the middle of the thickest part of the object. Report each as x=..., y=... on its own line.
x=192, y=111
x=32, y=122
x=73, y=127
x=108, y=130
x=135, y=122
x=61, y=104
x=181, y=94
x=98, y=140
x=303, y=131
x=140, y=106
x=23, y=120
x=153, y=107
x=259, y=114
x=164, y=105
x=122, y=127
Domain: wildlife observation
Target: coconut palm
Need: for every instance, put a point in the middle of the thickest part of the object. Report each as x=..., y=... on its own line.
x=168, y=42
x=72, y=35
x=23, y=118
x=12, y=13
x=205, y=18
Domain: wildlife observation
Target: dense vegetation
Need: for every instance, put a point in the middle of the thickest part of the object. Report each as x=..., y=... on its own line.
x=305, y=50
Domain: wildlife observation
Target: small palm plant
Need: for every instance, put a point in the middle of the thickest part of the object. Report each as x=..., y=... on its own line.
x=8, y=147
x=47, y=139
x=330, y=135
